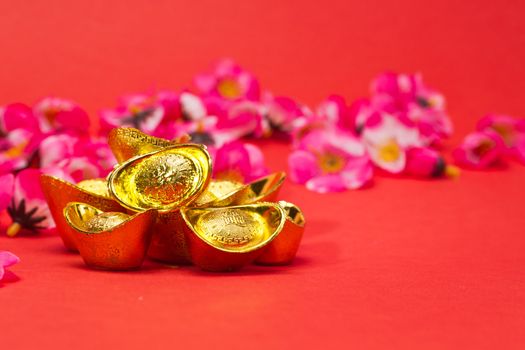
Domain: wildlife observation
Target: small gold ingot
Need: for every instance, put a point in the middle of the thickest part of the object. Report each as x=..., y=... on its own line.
x=126, y=143
x=165, y=180
x=59, y=192
x=283, y=248
x=226, y=239
x=110, y=240
x=265, y=189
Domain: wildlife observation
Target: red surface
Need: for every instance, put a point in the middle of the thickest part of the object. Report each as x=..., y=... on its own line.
x=404, y=264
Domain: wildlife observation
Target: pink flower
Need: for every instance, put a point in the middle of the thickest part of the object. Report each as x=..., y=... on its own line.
x=229, y=82
x=479, y=150
x=26, y=206
x=17, y=150
x=140, y=111
x=335, y=110
x=408, y=98
x=79, y=157
x=283, y=114
x=58, y=114
x=330, y=161
x=387, y=139
x=426, y=162
x=511, y=130
x=18, y=116
x=7, y=259
x=239, y=161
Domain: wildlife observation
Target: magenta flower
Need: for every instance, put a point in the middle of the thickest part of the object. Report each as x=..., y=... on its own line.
x=511, y=130
x=57, y=114
x=387, y=140
x=480, y=150
x=283, y=114
x=79, y=157
x=7, y=259
x=426, y=162
x=242, y=162
x=330, y=161
x=408, y=98
x=229, y=81
x=140, y=111
x=18, y=116
x=26, y=206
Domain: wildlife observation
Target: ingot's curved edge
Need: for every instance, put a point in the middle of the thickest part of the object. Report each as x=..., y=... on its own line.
x=122, y=149
x=283, y=249
x=123, y=247
x=202, y=185
x=237, y=197
x=274, y=234
x=58, y=193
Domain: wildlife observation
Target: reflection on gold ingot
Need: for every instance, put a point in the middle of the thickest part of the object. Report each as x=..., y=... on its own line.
x=96, y=186
x=59, y=192
x=110, y=240
x=126, y=143
x=283, y=248
x=164, y=180
x=226, y=239
x=263, y=189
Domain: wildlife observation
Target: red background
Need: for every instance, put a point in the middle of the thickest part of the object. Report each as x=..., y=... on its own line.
x=405, y=264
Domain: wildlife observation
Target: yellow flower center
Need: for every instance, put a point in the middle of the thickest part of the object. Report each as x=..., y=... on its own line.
x=331, y=163
x=506, y=132
x=390, y=151
x=229, y=88
x=15, y=151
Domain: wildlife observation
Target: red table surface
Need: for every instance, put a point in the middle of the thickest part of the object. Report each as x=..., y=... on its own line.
x=404, y=264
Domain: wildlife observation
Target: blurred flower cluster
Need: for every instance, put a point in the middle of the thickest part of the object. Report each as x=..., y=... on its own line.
x=398, y=129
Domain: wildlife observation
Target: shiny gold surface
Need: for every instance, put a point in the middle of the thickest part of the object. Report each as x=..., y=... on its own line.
x=126, y=143
x=165, y=180
x=263, y=189
x=283, y=248
x=96, y=186
x=216, y=190
x=110, y=240
x=225, y=239
x=59, y=193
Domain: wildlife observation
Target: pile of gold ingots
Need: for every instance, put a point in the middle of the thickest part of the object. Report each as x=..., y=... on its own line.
x=161, y=202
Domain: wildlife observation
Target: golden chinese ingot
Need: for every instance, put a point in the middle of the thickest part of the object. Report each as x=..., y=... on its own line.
x=126, y=143
x=59, y=192
x=110, y=240
x=226, y=239
x=165, y=180
x=96, y=186
x=263, y=189
x=168, y=243
x=283, y=248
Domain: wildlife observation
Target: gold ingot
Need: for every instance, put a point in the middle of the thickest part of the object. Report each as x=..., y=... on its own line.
x=168, y=243
x=110, y=240
x=59, y=193
x=226, y=239
x=283, y=248
x=265, y=189
x=165, y=180
x=126, y=143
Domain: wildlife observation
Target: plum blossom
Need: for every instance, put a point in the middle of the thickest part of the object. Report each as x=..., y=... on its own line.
x=238, y=161
x=80, y=157
x=140, y=111
x=329, y=160
x=22, y=196
x=58, y=114
x=511, y=130
x=7, y=259
x=387, y=141
x=480, y=150
x=229, y=82
x=426, y=162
